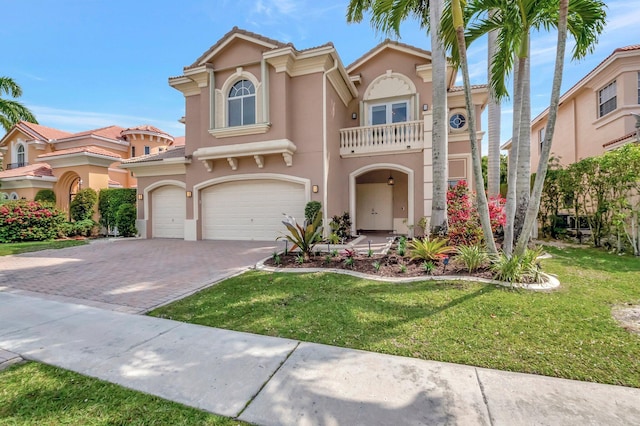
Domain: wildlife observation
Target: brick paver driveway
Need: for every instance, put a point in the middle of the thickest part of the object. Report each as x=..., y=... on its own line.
x=128, y=275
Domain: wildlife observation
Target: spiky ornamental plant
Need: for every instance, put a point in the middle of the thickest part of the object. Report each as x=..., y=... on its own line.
x=303, y=237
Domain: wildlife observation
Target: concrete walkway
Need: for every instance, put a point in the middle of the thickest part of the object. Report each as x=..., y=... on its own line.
x=272, y=381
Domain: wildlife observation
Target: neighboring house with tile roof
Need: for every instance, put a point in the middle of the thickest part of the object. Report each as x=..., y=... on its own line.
x=37, y=157
x=595, y=115
x=270, y=128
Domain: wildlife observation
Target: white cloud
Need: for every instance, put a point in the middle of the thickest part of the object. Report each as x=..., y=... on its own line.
x=77, y=121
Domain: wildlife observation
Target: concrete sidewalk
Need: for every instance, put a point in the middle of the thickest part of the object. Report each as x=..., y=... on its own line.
x=272, y=381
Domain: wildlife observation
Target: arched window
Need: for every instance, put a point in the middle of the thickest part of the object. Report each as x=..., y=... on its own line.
x=242, y=104
x=20, y=156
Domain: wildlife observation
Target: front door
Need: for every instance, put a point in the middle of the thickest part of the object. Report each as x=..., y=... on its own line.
x=374, y=206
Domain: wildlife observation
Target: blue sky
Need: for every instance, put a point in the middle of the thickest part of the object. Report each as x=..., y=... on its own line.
x=86, y=64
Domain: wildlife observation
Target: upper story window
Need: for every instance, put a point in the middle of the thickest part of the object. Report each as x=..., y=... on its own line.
x=541, y=135
x=242, y=104
x=21, y=157
x=607, y=99
x=147, y=150
x=639, y=88
x=390, y=112
x=133, y=151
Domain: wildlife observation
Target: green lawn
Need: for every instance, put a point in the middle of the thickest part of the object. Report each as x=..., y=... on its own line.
x=566, y=333
x=38, y=394
x=17, y=248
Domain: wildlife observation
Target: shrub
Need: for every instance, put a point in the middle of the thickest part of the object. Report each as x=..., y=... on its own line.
x=46, y=196
x=464, y=221
x=28, y=221
x=126, y=220
x=341, y=225
x=82, y=205
x=472, y=257
x=517, y=269
x=311, y=210
x=110, y=200
x=429, y=249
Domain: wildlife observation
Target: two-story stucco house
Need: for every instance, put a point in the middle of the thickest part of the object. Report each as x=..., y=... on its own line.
x=37, y=157
x=270, y=128
x=594, y=116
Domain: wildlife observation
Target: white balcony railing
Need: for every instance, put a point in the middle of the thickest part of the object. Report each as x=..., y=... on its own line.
x=382, y=139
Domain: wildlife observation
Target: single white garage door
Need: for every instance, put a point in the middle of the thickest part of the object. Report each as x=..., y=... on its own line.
x=250, y=209
x=168, y=211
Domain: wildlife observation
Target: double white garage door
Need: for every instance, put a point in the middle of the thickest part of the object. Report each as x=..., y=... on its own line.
x=239, y=210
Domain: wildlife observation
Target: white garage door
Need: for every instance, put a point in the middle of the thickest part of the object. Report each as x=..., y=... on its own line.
x=169, y=212
x=250, y=209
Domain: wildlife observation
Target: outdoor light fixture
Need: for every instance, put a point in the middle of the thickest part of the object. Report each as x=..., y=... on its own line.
x=391, y=181
x=354, y=115
x=425, y=107
x=315, y=189
x=140, y=196
x=189, y=194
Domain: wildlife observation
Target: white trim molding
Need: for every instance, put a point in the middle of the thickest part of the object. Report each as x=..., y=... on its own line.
x=250, y=149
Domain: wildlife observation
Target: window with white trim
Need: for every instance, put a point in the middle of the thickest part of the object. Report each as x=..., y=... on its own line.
x=541, y=135
x=241, y=104
x=389, y=112
x=607, y=100
x=21, y=156
x=639, y=88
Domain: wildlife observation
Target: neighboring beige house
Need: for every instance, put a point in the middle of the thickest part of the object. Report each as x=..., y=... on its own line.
x=270, y=127
x=36, y=157
x=595, y=114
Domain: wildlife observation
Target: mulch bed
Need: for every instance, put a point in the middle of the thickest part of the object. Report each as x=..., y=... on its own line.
x=391, y=265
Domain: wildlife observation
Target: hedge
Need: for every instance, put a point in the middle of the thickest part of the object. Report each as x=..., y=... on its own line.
x=29, y=221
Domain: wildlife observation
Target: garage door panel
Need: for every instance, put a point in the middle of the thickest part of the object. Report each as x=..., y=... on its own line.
x=250, y=210
x=168, y=212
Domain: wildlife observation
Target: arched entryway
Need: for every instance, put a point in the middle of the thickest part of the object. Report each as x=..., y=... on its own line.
x=67, y=187
x=381, y=199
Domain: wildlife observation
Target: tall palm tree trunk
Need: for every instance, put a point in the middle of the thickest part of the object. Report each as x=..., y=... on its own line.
x=493, y=114
x=536, y=194
x=440, y=151
x=481, y=197
x=510, y=206
x=523, y=182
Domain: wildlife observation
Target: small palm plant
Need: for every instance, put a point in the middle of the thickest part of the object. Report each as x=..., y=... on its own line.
x=472, y=257
x=303, y=237
x=429, y=249
x=516, y=269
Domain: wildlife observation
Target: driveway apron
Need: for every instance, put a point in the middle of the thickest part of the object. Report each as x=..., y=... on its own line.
x=132, y=276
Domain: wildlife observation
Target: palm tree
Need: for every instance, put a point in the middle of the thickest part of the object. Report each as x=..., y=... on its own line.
x=515, y=20
x=11, y=111
x=387, y=16
x=482, y=204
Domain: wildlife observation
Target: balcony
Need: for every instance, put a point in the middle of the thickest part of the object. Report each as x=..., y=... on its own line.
x=396, y=138
x=16, y=165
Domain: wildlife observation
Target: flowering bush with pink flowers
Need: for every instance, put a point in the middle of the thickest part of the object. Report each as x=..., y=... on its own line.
x=464, y=221
x=28, y=221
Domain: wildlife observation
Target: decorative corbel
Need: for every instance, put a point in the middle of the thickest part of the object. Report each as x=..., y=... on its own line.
x=259, y=161
x=233, y=162
x=208, y=164
x=288, y=158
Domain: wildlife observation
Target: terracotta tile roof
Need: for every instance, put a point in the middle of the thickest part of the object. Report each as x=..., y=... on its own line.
x=46, y=133
x=627, y=48
x=82, y=149
x=173, y=152
x=473, y=86
x=620, y=139
x=147, y=128
x=36, y=170
x=179, y=141
x=235, y=30
x=113, y=183
x=110, y=132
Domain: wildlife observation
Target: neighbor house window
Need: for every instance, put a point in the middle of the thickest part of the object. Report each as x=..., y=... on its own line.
x=20, y=156
x=639, y=88
x=242, y=104
x=133, y=151
x=147, y=150
x=541, y=135
x=607, y=99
